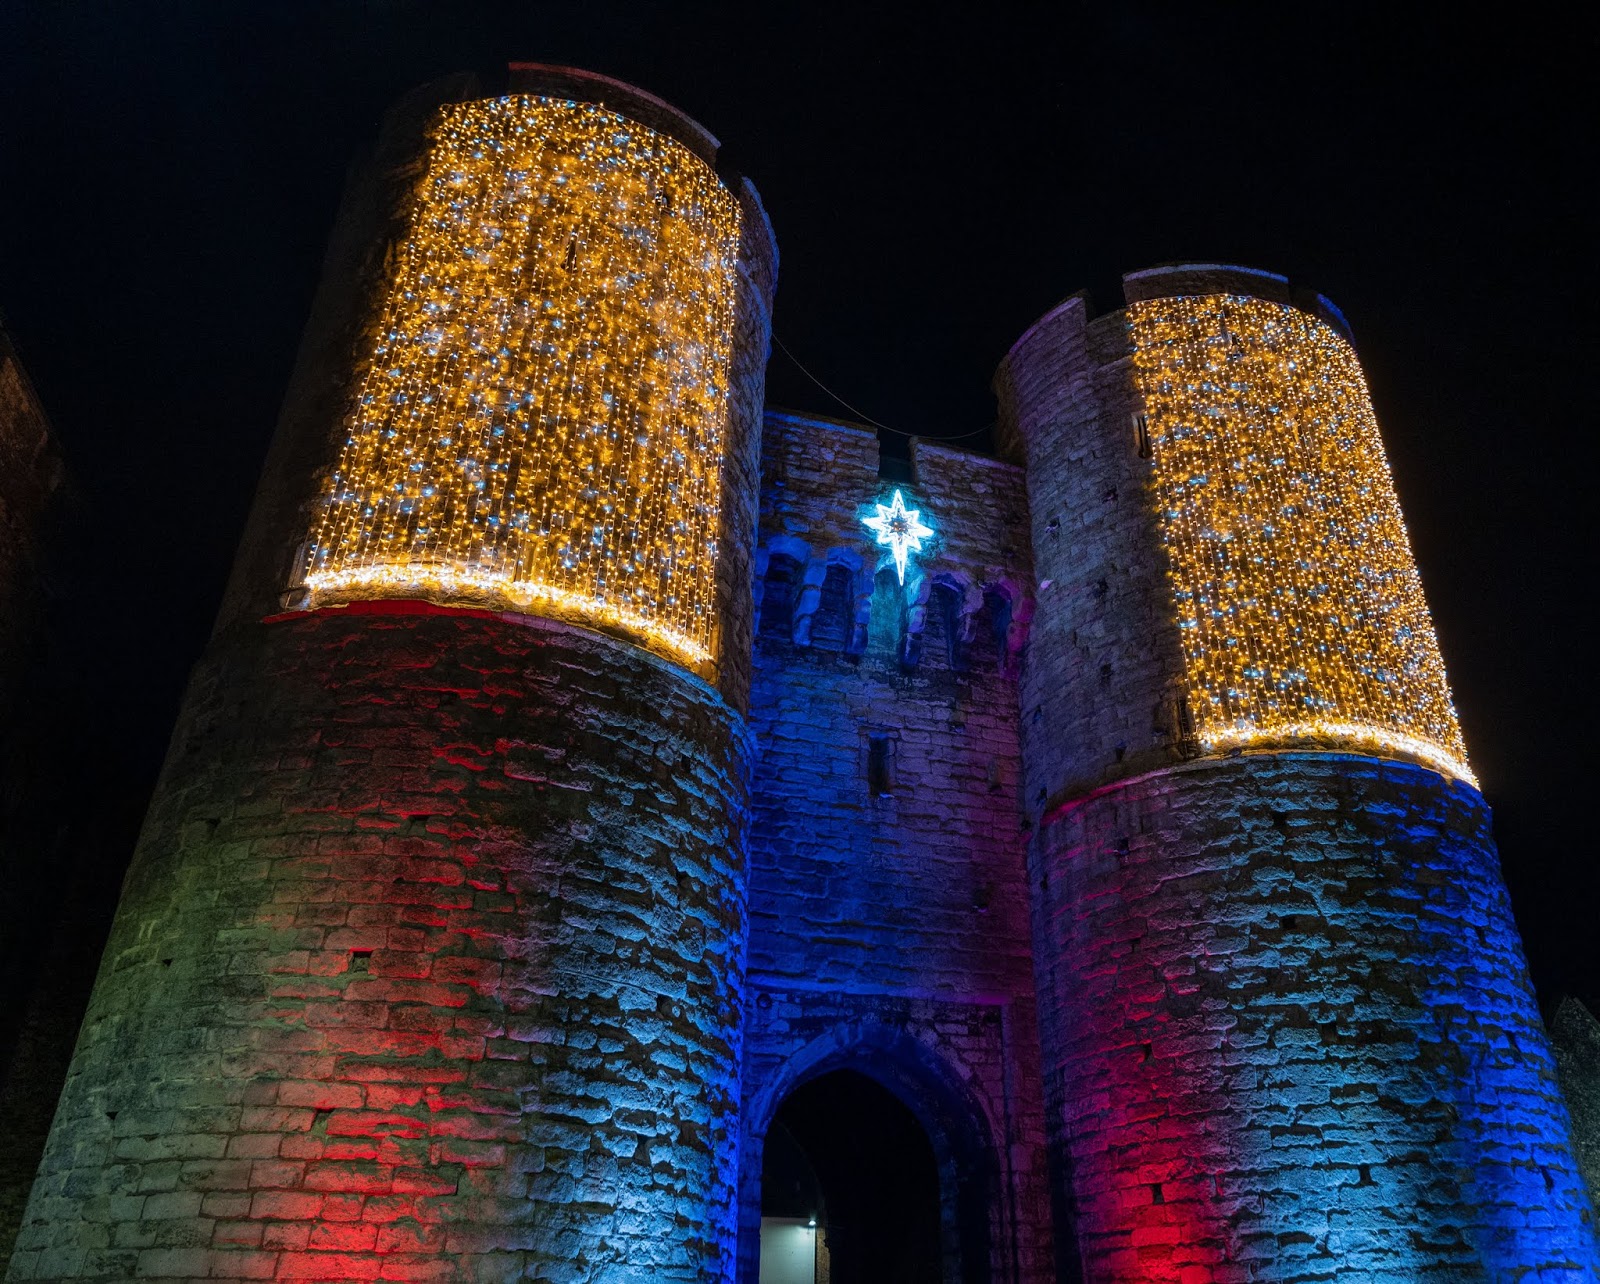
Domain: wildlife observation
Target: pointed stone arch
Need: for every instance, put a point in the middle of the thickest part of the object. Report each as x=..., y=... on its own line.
x=973, y=1223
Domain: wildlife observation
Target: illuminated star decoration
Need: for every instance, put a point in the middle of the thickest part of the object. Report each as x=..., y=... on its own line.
x=900, y=528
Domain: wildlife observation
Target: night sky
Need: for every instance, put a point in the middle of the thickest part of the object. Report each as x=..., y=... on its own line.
x=169, y=175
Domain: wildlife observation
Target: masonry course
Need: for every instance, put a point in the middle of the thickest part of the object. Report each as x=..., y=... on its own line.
x=354, y=966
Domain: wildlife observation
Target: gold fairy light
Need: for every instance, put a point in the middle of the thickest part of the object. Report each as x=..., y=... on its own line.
x=1298, y=602
x=542, y=420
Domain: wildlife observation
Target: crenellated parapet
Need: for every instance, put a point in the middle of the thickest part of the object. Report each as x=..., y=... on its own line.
x=823, y=581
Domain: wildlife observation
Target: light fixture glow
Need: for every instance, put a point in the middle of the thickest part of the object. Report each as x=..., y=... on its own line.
x=1299, y=607
x=542, y=419
x=899, y=528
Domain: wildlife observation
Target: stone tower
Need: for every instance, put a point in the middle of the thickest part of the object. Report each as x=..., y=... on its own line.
x=1286, y=1023
x=429, y=961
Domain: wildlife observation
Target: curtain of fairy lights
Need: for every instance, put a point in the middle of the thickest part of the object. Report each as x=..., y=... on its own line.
x=1299, y=606
x=542, y=421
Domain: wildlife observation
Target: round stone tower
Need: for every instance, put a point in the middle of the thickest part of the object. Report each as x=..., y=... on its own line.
x=1288, y=1030
x=428, y=965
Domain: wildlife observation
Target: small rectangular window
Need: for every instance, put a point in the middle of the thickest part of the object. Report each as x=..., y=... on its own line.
x=1141, y=435
x=880, y=766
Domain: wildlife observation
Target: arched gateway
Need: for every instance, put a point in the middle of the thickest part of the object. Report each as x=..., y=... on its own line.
x=971, y=1225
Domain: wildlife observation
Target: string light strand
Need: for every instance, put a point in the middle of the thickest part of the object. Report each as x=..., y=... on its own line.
x=1299, y=606
x=542, y=419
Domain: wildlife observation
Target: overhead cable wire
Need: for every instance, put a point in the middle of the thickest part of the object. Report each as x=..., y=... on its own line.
x=862, y=414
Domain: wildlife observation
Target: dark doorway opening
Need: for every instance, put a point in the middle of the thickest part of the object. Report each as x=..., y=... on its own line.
x=851, y=1155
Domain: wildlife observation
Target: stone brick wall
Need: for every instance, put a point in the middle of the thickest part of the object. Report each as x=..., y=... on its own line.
x=1286, y=1023
x=1293, y=1035
x=427, y=967
x=1102, y=689
x=372, y=224
x=1575, y=1036
x=461, y=945
x=889, y=933
x=428, y=964
x=758, y=280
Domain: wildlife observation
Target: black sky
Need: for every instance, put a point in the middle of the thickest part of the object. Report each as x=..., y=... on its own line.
x=937, y=178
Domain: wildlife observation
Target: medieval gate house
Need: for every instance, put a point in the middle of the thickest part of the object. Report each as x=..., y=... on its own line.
x=620, y=830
